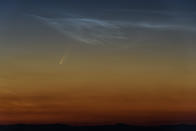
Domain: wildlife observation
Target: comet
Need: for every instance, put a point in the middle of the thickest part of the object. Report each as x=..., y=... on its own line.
x=62, y=60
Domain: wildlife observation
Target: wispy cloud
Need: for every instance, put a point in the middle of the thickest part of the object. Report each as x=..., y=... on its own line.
x=86, y=30
x=94, y=31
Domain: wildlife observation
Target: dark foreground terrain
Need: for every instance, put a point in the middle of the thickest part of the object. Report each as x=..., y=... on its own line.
x=118, y=127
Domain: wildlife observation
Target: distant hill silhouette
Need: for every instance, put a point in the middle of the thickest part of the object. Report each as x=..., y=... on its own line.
x=117, y=127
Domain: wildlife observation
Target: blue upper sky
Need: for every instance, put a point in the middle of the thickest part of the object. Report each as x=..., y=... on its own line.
x=137, y=4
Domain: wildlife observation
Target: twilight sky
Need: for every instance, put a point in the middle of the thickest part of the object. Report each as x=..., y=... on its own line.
x=98, y=61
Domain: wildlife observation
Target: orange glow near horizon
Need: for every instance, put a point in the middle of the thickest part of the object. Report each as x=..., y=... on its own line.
x=91, y=93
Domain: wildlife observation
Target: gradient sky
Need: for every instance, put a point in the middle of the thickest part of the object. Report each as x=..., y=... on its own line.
x=98, y=61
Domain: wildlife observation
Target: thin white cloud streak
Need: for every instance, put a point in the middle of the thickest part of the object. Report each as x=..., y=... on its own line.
x=158, y=26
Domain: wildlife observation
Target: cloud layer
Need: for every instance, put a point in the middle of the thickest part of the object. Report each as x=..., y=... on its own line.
x=86, y=30
x=96, y=31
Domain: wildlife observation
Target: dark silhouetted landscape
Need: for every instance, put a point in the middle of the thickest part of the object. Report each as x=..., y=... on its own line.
x=117, y=127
